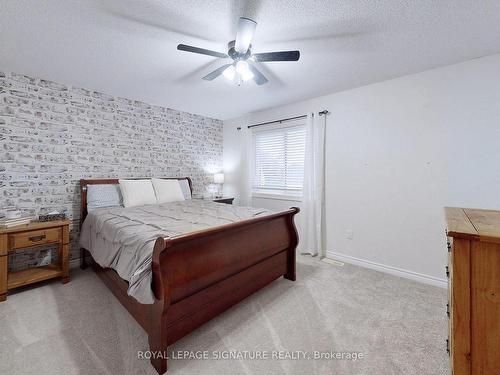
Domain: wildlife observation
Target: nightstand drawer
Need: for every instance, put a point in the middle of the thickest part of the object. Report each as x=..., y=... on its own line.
x=3, y=244
x=34, y=238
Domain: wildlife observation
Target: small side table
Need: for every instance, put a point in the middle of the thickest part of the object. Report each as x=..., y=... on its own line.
x=227, y=200
x=30, y=236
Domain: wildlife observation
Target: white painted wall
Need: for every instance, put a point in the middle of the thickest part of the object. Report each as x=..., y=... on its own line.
x=397, y=152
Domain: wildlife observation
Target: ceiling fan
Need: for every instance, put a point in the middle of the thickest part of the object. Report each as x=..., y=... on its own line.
x=240, y=50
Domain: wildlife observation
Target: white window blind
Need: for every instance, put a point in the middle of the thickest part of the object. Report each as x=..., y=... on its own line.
x=279, y=159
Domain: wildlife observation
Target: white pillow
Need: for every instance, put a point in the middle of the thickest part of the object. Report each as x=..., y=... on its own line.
x=167, y=190
x=137, y=192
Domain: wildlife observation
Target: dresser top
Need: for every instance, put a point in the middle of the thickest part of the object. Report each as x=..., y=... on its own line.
x=34, y=225
x=472, y=223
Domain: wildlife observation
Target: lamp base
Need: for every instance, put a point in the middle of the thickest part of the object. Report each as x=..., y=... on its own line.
x=219, y=194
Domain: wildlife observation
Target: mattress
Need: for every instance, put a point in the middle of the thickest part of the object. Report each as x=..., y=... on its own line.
x=123, y=238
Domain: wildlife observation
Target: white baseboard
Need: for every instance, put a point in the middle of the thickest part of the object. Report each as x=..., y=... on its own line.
x=421, y=278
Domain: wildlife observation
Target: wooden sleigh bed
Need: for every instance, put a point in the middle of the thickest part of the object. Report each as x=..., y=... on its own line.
x=199, y=275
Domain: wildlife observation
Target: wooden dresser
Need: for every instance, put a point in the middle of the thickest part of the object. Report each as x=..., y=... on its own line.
x=31, y=236
x=474, y=290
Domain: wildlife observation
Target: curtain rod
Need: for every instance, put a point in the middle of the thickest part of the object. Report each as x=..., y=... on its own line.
x=323, y=112
x=279, y=121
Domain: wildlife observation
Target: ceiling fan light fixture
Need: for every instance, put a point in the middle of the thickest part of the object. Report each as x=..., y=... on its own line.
x=230, y=72
x=240, y=50
x=242, y=67
x=247, y=75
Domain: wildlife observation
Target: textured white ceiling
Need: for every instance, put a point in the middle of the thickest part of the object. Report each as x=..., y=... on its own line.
x=128, y=48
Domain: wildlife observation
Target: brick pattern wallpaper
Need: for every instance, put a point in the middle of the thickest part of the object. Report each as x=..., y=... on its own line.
x=52, y=135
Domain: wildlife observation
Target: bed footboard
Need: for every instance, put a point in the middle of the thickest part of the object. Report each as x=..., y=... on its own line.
x=199, y=275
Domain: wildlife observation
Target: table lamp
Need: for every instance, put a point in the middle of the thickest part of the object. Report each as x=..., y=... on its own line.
x=219, y=180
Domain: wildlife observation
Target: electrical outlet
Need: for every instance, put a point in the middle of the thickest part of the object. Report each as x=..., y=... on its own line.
x=349, y=234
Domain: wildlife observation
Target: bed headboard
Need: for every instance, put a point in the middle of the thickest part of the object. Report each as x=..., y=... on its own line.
x=113, y=181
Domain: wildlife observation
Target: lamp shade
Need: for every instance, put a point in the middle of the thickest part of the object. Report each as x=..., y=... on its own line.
x=219, y=178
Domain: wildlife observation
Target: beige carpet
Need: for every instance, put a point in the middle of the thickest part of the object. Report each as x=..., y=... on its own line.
x=80, y=328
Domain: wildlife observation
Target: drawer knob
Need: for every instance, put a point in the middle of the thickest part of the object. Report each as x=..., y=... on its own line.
x=37, y=238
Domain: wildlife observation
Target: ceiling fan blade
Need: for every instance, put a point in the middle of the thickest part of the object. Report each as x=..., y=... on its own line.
x=217, y=72
x=277, y=56
x=244, y=35
x=184, y=47
x=258, y=77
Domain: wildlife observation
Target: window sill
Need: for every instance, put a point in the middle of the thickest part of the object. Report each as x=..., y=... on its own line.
x=278, y=196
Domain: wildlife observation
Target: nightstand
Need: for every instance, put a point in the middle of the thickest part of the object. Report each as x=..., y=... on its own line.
x=30, y=236
x=227, y=200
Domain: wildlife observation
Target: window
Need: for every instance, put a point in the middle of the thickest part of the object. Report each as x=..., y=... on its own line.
x=279, y=160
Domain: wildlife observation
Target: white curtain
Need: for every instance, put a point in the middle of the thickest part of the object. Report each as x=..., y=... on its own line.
x=312, y=212
x=246, y=186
